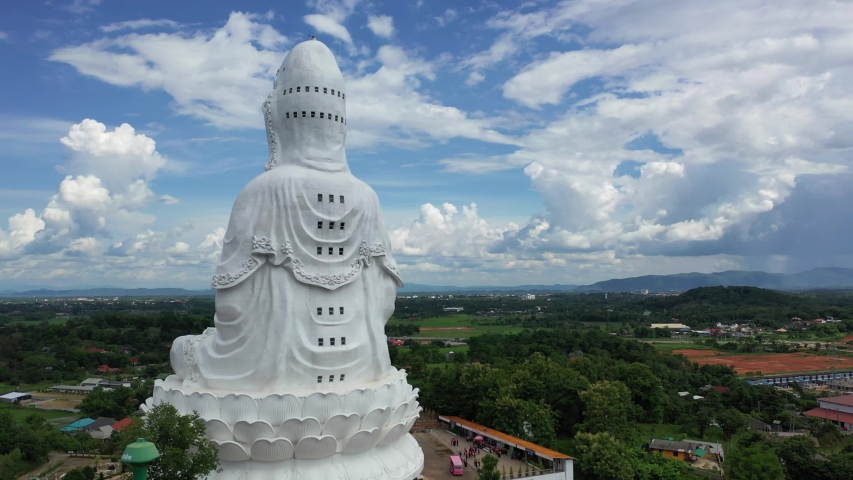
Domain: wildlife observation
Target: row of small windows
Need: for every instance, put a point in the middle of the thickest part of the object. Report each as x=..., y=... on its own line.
x=314, y=114
x=331, y=250
x=316, y=90
x=331, y=225
x=331, y=312
x=331, y=199
x=331, y=378
x=332, y=341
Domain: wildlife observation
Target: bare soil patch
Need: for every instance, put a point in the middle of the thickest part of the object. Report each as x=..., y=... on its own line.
x=772, y=363
x=697, y=353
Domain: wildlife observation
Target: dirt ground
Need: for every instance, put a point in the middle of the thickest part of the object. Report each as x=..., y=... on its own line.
x=770, y=363
x=436, y=459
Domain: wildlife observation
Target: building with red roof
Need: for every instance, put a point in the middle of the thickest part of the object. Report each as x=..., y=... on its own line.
x=838, y=410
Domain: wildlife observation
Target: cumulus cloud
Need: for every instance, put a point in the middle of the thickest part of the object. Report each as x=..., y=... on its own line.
x=328, y=25
x=385, y=106
x=220, y=77
x=381, y=25
x=169, y=200
x=105, y=191
x=740, y=117
x=447, y=17
x=139, y=24
x=474, y=78
x=4, y=36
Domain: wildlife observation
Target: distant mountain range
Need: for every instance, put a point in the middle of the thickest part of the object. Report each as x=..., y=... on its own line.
x=819, y=278
x=107, y=292
x=418, y=288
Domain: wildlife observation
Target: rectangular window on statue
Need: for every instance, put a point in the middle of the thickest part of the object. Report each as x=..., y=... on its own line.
x=343, y=340
x=319, y=379
x=332, y=312
x=319, y=310
x=320, y=342
x=332, y=342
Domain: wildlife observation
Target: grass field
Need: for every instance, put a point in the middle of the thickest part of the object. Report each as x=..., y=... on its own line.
x=670, y=346
x=24, y=387
x=455, y=326
x=20, y=413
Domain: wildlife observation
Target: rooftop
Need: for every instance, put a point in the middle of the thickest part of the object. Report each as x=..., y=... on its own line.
x=830, y=415
x=846, y=400
x=506, y=438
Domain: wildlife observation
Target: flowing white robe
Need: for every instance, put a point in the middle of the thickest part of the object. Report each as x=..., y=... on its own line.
x=290, y=316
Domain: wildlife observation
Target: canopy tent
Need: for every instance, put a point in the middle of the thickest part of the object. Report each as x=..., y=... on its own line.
x=478, y=438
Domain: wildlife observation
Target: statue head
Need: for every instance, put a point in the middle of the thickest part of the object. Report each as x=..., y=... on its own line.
x=305, y=114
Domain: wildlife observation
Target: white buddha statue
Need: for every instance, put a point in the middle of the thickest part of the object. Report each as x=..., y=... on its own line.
x=297, y=366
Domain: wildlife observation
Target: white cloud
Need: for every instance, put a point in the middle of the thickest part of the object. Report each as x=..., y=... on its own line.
x=22, y=230
x=82, y=6
x=474, y=78
x=4, y=36
x=328, y=25
x=503, y=47
x=385, y=107
x=220, y=76
x=139, y=24
x=381, y=25
x=447, y=17
x=546, y=81
x=169, y=200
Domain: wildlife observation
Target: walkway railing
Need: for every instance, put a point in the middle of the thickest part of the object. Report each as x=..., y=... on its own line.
x=531, y=474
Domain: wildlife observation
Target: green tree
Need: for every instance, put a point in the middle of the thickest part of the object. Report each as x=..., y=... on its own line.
x=76, y=474
x=757, y=462
x=658, y=467
x=526, y=419
x=607, y=405
x=603, y=457
x=798, y=453
x=186, y=454
x=731, y=421
x=489, y=469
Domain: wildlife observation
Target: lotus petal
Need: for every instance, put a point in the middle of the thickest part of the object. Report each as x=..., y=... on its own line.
x=159, y=395
x=360, y=401
x=316, y=447
x=264, y=450
x=413, y=405
x=245, y=432
x=411, y=422
x=322, y=406
x=376, y=419
x=295, y=429
x=275, y=409
x=393, y=434
x=362, y=441
x=218, y=430
x=385, y=396
x=341, y=425
x=176, y=399
x=238, y=407
x=400, y=391
x=205, y=404
x=232, y=452
x=398, y=413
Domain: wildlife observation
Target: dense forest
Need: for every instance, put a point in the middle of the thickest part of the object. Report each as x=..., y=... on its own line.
x=597, y=397
x=699, y=308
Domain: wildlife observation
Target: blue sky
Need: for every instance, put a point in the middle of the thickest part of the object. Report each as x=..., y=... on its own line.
x=544, y=142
